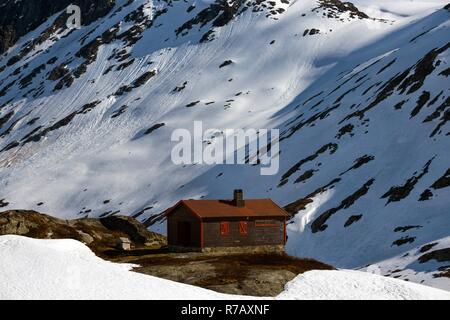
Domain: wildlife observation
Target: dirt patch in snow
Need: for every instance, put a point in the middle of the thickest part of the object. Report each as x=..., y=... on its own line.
x=243, y=274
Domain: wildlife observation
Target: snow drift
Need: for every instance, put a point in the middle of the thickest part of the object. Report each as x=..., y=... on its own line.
x=67, y=269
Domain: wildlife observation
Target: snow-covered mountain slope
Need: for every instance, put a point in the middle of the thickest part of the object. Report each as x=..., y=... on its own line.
x=66, y=269
x=360, y=93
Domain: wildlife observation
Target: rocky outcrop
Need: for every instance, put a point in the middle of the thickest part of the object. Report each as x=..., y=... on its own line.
x=17, y=18
x=98, y=234
x=334, y=9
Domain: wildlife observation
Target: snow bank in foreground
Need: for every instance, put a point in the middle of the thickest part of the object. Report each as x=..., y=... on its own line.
x=357, y=285
x=67, y=269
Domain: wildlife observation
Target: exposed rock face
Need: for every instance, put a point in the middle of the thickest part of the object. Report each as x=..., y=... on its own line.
x=17, y=18
x=57, y=73
x=35, y=225
x=335, y=8
x=98, y=234
x=134, y=229
x=442, y=255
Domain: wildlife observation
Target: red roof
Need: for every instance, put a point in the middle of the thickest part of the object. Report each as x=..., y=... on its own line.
x=226, y=208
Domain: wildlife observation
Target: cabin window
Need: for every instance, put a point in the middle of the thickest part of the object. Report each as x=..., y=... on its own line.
x=224, y=228
x=243, y=228
x=265, y=223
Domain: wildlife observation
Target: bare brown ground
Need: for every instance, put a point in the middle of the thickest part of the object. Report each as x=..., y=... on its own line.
x=244, y=274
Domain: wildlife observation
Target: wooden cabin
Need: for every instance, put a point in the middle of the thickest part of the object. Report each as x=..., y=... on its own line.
x=208, y=225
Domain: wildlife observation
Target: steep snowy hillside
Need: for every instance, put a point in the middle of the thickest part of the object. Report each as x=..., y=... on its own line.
x=66, y=269
x=359, y=91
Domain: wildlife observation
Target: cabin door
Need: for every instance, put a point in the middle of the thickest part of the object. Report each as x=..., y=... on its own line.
x=184, y=233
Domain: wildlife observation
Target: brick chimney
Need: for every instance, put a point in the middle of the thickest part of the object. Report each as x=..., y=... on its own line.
x=239, y=198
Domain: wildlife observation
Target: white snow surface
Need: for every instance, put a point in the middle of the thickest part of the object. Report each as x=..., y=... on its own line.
x=356, y=285
x=67, y=269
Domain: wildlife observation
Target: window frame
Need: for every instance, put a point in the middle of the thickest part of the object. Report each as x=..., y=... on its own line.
x=224, y=228
x=243, y=228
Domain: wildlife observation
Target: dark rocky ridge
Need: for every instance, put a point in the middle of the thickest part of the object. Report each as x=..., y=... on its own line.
x=335, y=7
x=17, y=18
x=99, y=235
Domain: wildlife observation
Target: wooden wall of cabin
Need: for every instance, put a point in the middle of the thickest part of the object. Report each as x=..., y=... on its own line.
x=182, y=214
x=260, y=232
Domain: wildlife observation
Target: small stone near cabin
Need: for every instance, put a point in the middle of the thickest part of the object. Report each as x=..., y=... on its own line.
x=124, y=244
